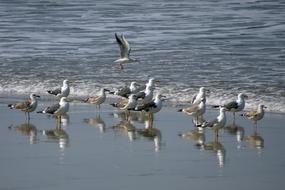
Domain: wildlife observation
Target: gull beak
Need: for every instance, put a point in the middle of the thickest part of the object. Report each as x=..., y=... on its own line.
x=246, y=96
x=38, y=96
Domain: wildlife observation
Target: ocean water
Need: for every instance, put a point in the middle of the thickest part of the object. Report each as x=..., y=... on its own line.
x=228, y=46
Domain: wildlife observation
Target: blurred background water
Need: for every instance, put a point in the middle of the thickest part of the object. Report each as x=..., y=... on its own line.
x=228, y=46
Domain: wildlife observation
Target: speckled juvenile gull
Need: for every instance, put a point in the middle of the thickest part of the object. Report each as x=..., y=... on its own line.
x=27, y=106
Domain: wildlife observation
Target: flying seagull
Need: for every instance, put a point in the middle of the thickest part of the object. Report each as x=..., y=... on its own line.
x=125, y=50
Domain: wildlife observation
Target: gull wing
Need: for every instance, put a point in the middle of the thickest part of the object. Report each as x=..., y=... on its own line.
x=210, y=123
x=123, y=45
x=251, y=114
x=92, y=99
x=231, y=105
x=127, y=48
x=146, y=107
x=194, y=98
x=191, y=109
x=55, y=91
x=23, y=105
x=51, y=109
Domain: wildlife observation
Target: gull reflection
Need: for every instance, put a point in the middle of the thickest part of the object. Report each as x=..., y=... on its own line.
x=27, y=129
x=97, y=122
x=255, y=140
x=196, y=135
x=58, y=134
x=133, y=116
x=216, y=147
x=126, y=127
x=152, y=133
x=236, y=130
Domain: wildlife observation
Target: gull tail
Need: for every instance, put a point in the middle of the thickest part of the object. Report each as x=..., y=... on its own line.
x=215, y=106
x=11, y=106
x=180, y=110
x=114, y=105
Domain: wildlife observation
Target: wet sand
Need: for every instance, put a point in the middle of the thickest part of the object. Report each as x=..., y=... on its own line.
x=99, y=150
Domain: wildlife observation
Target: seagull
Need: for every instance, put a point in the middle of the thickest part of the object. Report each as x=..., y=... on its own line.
x=127, y=90
x=235, y=106
x=125, y=50
x=96, y=121
x=152, y=107
x=130, y=105
x=97, y=100
x=27, y=106
x=58, y=109
x=146, y=95
x=196, y=110
x=217, y=123
x=201, y=95
x=255, y=115
x=61, y=92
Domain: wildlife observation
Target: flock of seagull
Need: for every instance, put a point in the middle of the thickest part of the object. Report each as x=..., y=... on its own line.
x=141, y=98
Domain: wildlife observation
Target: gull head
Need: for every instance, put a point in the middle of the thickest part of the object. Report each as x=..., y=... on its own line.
x=33, y=95
x=242, y=95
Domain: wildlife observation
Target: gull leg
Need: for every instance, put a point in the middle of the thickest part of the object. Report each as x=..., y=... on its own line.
x=151, y=119
x=216, y=135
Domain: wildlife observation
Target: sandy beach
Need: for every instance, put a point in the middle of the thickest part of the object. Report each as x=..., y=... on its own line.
x=99, y=150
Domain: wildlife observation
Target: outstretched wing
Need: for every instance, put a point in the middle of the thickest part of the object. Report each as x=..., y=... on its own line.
x=127, y=48
x=123, y=45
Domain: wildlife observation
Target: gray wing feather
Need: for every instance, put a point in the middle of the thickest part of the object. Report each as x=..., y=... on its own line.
x=52, y=109
x=231, y=105
x=55, y=91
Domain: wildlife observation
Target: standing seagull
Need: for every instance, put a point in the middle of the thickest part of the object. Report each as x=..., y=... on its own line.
x=201, y=95
x=130, y=105
x=255, y=115
x=217, y=123
x=196, y=110
x=58, y=109
x=27, y=106
x=97, y=100
x=127, y=90
x=61, y=92
x=146, y=95
x=152, y=107
x=125, y=50
x=237, y=105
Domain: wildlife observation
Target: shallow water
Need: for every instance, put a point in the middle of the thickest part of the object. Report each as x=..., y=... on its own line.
x=92, y=154
x=227, y=46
